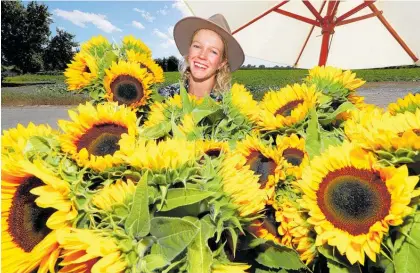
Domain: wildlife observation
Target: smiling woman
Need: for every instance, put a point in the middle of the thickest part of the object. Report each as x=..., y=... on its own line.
x=210, y=55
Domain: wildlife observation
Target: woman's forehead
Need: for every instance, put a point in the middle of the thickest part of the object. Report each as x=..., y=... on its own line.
x=208, y=36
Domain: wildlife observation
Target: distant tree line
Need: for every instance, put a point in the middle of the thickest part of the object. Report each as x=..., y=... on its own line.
x=26, y=44
x=249, y=66
x=168, y=64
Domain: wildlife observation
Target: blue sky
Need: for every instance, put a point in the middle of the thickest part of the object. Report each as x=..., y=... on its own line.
x=151, y=21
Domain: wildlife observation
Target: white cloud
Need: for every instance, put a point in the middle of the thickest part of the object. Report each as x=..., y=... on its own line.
x=182, y=7
x=80, y=19
x=137, y=25
x=163, y=11
x=146, y=15
x=167, y=39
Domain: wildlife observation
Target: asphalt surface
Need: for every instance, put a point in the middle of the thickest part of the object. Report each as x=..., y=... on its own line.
x=380, y=94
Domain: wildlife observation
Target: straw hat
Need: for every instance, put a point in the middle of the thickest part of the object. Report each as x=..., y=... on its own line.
x=186, y=27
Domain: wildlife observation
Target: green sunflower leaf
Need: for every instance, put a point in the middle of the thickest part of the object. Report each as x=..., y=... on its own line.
x=337, y=268
x=406, y=260
x=199, y=255
x=38, y=144
x=280, y=257
x=187, y=106
x=313, y=141
x=333, y=255
x=173, y=235
x=182, y=197
x=154, y=261
x=138, y=220
x=330, y=117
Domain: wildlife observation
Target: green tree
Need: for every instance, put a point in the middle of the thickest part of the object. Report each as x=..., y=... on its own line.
x=24, y=34
x=172, y=63
x=59, y=51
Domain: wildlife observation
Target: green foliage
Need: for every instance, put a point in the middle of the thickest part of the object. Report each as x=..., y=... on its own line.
x=278, y=256
x=182, y=197
x=59, y=51
x=138, y=221
x=173, y=235
x=406, y=259
x=24, y=34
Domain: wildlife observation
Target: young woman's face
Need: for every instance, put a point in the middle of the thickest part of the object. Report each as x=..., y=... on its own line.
x=205, y=55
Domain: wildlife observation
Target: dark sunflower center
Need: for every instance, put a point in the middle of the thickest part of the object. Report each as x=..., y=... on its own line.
x=293, y=156
x=261, y=165
x=270, y=220
x=353, y=199
x=213, y=152
x=127, y=89
x=286, y=110
x=86, y=69
x=26, y=220
x=101, y=140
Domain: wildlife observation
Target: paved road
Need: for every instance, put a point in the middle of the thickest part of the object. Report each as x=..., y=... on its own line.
x=380, y=94
x=11, y=116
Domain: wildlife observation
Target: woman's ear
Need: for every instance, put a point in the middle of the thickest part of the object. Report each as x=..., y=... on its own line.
x=223, y=63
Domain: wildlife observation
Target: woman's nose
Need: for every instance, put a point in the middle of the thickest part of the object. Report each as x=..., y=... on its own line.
x=202, y=54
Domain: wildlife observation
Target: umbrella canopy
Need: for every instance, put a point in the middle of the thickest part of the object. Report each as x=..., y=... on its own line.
x=348, y=34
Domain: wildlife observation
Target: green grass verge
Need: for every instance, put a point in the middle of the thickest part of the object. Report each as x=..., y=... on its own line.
x=32, y=78
x=55, y=94
x=257, y=81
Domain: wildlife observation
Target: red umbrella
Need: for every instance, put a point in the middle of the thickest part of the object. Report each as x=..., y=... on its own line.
x=306, y=33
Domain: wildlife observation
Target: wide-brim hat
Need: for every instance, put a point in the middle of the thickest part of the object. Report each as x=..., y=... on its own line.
x=186, y=27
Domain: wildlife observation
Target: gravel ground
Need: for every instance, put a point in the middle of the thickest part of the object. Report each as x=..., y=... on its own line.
x=381, y=94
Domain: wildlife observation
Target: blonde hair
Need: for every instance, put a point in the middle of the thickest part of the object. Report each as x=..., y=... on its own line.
x=223, y=74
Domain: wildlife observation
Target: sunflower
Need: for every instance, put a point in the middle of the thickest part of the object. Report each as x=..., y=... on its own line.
x=54, y=194
x=15, y=140
x=27, y=240
x=292, y=149
x=288, y=107
x=91, y=138
x=333, y=81
x=242, y=185
x=148, y=63
x=147, y=154
x=409, y=103
x=213, y=148
x=266, y=228
x=156, y=115
x=263, y=161
x=352, y=202
x=294, y=229
x=130, y=42
x=229, y=268
x=127, y=83
x=89, y=251
x=376, y=131
x=241, y=100
x=81, y=72
x=114, y=194
x=96, y=45
x=358, y=102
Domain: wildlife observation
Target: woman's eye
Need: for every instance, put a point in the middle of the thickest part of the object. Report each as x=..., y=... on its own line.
x=214, y=52
x=196, y=46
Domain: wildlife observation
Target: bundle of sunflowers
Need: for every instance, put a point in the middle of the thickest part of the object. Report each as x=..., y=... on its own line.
x=310, y=179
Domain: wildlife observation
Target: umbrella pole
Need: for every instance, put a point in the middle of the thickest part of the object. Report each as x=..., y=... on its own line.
x=324, y=48
x=328, y=25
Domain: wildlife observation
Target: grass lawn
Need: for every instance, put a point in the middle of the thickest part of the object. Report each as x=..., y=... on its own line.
x=257, y=81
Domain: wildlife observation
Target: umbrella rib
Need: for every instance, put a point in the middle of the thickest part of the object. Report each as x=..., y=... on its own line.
x=394, y=33
x=259, y=17
x=309, y=35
